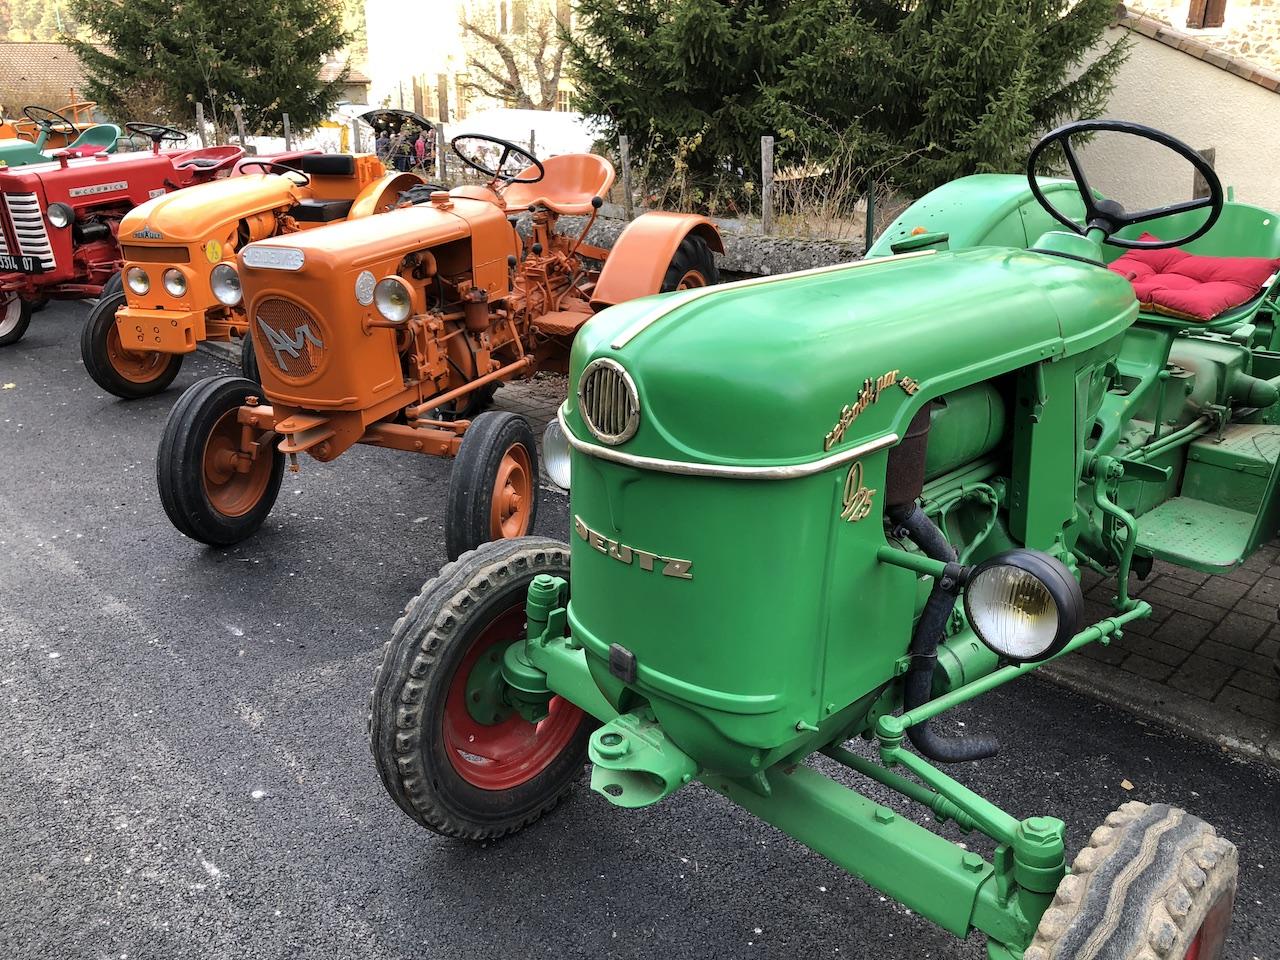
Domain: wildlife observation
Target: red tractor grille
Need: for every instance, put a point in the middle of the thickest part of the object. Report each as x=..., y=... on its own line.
x=288, y=337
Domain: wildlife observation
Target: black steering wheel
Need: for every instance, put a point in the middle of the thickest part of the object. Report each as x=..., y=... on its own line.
x=274, y=166
x=1108, y=215
x=157, y=133
x=508, y=149
x=40, y=116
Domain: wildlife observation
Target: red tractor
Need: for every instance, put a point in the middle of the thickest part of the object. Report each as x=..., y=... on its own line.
x=59, y=221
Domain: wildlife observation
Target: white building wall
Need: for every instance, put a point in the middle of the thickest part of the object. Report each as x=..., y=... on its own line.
x=1200, y=104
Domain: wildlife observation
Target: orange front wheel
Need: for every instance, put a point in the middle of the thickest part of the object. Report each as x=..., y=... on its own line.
x=493, y=493
x=128, y=374
x=216, y=487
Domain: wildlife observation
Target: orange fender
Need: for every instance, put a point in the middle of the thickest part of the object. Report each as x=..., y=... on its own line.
x=382, y=195
x=639, y=260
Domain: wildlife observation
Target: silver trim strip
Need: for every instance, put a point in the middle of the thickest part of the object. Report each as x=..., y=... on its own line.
x=675, y=303
x=790, y=471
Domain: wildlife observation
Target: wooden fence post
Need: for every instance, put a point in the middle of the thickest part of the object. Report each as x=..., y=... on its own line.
x=869, y=234
x=355, y=134
x=624, y=157
x=533, y=142
x=766, y=185
x=288, y=134
x=442, y=96
x=200, y=123
x=442, y=171
x=239, y=115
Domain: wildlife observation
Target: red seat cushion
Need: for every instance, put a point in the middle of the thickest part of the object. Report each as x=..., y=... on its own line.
x=1181, y=284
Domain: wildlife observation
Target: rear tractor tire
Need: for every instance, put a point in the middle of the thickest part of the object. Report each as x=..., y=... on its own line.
x=693, y=265
x=1154, y=883
x=15, y=317
x=249, y=359
x=212, y=490
x=494, y=489
x=128, y=374
x=453, y=755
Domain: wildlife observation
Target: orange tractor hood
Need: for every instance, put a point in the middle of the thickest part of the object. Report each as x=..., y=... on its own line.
x=188, y=216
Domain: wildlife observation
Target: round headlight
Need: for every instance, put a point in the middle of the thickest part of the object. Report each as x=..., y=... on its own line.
x=1024, y=605
x=224, y=281
x=138, y=280
x=392, y=298
x=175, y=282
x=60, y=215
x=555, y=454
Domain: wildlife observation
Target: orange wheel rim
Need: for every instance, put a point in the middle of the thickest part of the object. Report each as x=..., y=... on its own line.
x=512, y=495
x=691, y=279
x=136, y=366
x=232, y=491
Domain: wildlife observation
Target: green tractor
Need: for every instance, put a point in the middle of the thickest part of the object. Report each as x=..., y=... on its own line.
x=840, y=503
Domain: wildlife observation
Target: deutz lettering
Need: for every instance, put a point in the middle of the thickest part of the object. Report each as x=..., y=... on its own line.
x=671, y=567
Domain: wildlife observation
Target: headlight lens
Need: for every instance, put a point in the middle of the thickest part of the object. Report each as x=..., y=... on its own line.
x=392, y=298
x=225, y=283
x=1024, y=605
x=175, y=282
x=555, y=454
x=138, y=280
x=60, y=215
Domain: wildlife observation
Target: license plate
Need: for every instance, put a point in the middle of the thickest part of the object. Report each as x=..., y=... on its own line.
x=11, y=264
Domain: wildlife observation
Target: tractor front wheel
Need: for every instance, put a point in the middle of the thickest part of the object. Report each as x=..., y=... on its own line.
x=693, y=265
x=249, y=359
x=15, y=317
x=128, y=374
x=493, y=493
x=451, y=751
x=216, y=488
x=1154, y=881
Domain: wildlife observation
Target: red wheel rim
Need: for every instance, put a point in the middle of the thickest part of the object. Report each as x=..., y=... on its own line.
x=512, y=495
x=506, y=754
x=1210, y=940
x=691, y=279
x=230, y=492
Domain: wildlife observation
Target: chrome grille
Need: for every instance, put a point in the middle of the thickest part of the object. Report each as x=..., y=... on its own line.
x=608, y=401
x=289, y=337
x=28, y=227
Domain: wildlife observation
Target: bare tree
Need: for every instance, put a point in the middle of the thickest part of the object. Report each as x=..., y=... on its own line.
x=514, y=52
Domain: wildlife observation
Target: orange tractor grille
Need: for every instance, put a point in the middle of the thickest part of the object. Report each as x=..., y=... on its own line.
x=288, y=337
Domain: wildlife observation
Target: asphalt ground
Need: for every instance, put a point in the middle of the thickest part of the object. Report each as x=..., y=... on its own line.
x=183, y=768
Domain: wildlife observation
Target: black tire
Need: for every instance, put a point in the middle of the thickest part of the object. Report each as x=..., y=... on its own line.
x=692, y=257
x=180, y=466
x=249, y=359
x=39, y=304
x=100, y=349
x=15, y=317
x=474, y=484
x=1150, y=880
x=407, y=705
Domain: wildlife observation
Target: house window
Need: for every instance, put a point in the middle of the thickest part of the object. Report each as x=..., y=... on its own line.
x=564, y=100
x=1203, y=14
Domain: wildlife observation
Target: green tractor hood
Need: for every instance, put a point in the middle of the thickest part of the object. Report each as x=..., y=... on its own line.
x=763, y=372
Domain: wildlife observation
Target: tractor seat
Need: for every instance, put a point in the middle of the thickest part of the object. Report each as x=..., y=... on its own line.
x=571, y=182
x=320, y=211
x=1185, y=286
x=95, y=139
x=207, y=158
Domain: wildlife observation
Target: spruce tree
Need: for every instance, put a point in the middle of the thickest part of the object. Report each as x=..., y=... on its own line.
x=158, y=57
x=927, y=89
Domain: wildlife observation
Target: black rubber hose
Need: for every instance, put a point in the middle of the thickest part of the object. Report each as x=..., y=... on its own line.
x=918, y=685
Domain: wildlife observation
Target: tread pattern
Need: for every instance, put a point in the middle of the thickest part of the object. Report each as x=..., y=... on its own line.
x=1140, y=889
x=420, y=638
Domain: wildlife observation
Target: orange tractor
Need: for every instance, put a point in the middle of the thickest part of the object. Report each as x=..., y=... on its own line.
x=179, y=285
x=396, y=330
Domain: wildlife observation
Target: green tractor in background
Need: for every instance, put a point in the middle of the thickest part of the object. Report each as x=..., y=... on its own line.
x=55, y=133
x=839, y=503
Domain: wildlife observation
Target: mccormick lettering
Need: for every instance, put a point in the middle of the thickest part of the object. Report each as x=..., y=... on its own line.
x=868, y=395
x=98, y=188
x=671, y=567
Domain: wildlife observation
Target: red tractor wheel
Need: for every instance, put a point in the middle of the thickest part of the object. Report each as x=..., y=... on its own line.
x=493, y=492
x=451, y=750
x=15, y=317
x=1153, y=881
x=693, y=265
x=214, y=488
x=129, y=374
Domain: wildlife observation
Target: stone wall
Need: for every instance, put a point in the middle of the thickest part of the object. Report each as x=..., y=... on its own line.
x=1251, y=29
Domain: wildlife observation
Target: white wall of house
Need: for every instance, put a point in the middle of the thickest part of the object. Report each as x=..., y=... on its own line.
x=1200, y=104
